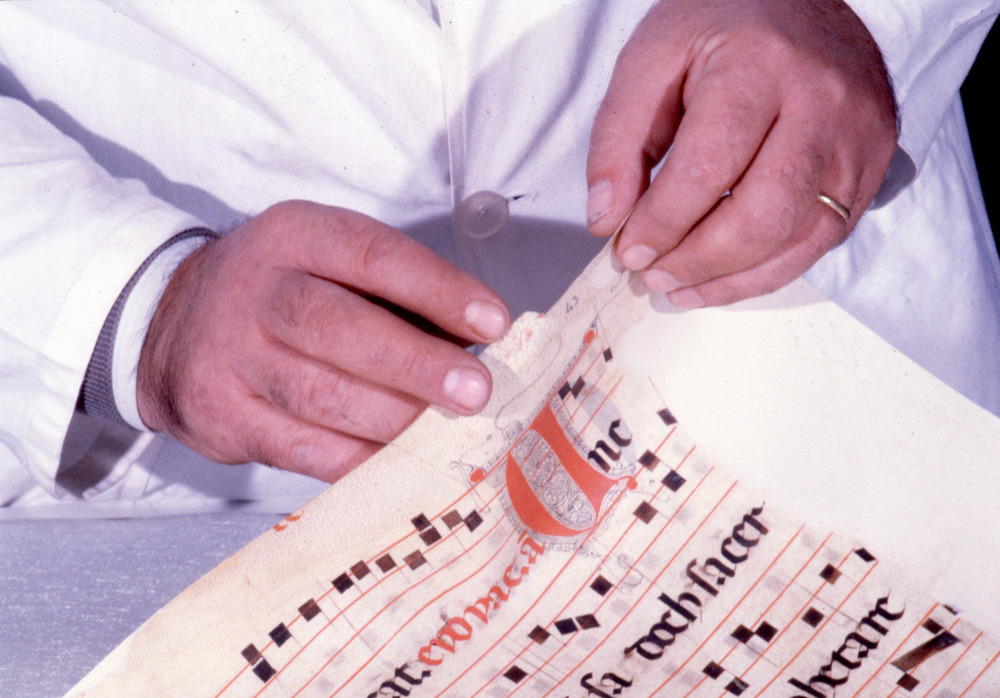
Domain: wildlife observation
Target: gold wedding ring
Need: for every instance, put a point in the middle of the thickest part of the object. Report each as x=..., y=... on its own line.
x=838, y=207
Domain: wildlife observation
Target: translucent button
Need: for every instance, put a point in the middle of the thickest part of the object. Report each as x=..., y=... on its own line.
x=481, y=215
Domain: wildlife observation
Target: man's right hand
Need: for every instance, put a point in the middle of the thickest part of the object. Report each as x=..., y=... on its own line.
x=264, y=349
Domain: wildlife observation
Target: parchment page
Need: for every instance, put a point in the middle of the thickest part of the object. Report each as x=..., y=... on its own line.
x=578, y=538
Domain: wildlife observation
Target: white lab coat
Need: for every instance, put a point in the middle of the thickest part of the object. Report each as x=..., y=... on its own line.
x=127, y=123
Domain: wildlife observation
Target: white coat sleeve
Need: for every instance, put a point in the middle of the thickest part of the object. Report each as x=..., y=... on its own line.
x=71, y=237
x=928, y=47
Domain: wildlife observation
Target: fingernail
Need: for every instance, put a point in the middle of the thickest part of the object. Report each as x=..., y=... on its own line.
x=487, y=319
x=600, y=201
x=637, y=257
x=467, y=388
x=659, y=281
x=686, y=299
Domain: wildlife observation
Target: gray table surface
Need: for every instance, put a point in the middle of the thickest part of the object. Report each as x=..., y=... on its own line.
x=72, y=590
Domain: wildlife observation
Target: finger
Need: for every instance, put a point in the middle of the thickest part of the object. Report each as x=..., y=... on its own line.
x=327, y=397
x=337, y=327
x=355, y=250
x=274, y=438
x=632, y=130
x=764, y=213
x=254, y=430
x=825, y=230
x=727, y=116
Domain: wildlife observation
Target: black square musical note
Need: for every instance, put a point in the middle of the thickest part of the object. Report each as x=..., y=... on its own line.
x=932, y=626
x=264, y=671
x=342, y=583
x=830, y=574
x=766, y=631
x=587, y=621
x=907, y=682
x=515, y=674
x=673, y=481
x=713, y=670
x=566, y=626
x=420, y=522
x=864, y=555
x=415, y=559
x=812, y=617
x=601, y=585
x=280, y=634
x=737, y=686
x=309, y=610
x=385, y=563
x=539, y=634
x=473, y=520
x=648, y=460
x=251, y=654
x=452, y=519
x=645, y=512
x=430, y=536
x=360, y=570
x=743, y=634
x=667, y=417
x=575, y=389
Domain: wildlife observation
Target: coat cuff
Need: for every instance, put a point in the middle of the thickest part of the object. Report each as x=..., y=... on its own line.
x=109, y=387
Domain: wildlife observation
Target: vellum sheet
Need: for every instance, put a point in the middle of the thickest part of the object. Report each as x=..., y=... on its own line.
x=578, y=538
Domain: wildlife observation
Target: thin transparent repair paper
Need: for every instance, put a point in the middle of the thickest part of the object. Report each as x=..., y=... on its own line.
x=591, y=533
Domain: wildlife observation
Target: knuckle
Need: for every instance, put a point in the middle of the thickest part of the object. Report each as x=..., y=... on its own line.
x=306, y=314
x=336, y=399
x=415, y=367
x=373, y=255
x=708, y=173
x=764, y=228
x=387, y=424
x=281, y=449
x=289, y=302
x=660, y=224
x=691, y=269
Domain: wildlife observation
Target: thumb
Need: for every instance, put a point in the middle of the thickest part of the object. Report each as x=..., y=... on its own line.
x=632, y=131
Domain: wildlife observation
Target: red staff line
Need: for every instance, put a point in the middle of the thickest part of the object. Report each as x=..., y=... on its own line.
x=610, y=551
x=563, y=378
x=952, y=666
x=896, y=687
x=898, y=647
x=341, y=612
x=794, y=616
x=329, y=621
x=585, y=585
x=543, y=593
x=979, y=675
x=574, y=597
x=503, y=458
x=402, y=626
x=652, y=583
x=606, y=398
x=816, y=632
x=732, y=610
x=665, y=438
x=408, y=535
x=763, y=613
x=597, y=525
x=363, y=594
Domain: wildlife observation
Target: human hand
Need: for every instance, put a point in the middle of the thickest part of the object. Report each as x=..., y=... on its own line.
x=264, y=349
x=773, y=101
